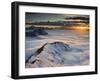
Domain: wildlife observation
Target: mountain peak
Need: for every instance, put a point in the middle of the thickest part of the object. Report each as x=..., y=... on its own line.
x=49, y=53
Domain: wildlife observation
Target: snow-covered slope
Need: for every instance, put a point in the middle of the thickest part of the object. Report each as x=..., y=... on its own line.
x=56, y=54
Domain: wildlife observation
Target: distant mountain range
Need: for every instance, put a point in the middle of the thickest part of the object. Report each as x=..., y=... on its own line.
x=33, y=32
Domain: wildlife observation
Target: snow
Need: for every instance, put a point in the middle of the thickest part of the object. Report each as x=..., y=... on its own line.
x=62, y=48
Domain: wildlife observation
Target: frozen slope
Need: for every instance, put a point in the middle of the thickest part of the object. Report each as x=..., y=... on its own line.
x=57, y=54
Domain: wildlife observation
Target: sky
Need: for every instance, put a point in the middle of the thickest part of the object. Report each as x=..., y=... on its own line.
x=44, y=17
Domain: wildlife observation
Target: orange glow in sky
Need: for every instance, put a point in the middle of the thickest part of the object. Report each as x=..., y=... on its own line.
x=81, y=28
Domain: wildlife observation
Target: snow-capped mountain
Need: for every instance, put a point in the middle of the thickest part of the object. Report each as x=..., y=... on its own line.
x=56, y=54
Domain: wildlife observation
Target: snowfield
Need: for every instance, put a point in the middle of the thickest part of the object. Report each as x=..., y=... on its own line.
x=58, y=48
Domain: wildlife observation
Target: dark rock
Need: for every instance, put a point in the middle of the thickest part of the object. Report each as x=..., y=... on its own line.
x=40, y=49
x=35, y=32
x=30, y=34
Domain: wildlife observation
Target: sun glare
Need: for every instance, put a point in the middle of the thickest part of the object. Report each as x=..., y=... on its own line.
x=80, y=27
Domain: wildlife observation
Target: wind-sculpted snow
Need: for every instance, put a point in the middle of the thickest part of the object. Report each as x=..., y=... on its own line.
x=57, y=54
